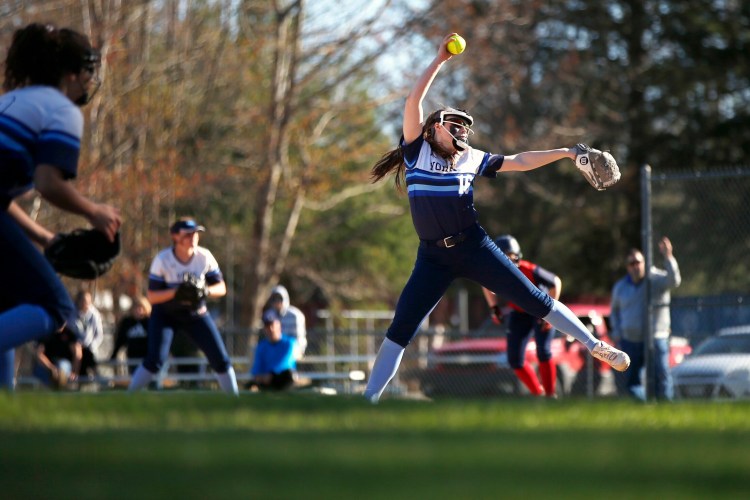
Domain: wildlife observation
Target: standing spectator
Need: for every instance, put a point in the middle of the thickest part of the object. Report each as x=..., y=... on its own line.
x=522, y=324
x=132, y=333
x=58, y=359
x=439, y=167
x=292, y=319
x=629, y=309
x=274, y=365
x=49, y=72
x=91, y=331
x=169, y=269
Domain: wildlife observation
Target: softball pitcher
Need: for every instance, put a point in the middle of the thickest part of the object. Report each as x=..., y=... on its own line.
x=439, y=167
x=166, y=281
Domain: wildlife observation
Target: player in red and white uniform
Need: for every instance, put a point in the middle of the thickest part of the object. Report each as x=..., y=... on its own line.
x=521, y=324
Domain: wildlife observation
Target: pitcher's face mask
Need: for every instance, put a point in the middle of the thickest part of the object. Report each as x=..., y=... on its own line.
x=457, y=122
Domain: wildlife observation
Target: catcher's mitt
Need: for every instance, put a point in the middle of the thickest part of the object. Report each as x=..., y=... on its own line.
x=190, y=292
x=83, y=254
x=598, y=167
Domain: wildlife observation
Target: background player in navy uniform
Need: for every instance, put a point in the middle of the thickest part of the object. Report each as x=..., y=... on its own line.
x=521, y=324
x=439, y=168
x=167, y=272
x=48, y=73
x=132, y=332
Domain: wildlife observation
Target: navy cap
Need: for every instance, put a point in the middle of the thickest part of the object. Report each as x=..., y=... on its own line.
x=269, y=316
x=186, y=225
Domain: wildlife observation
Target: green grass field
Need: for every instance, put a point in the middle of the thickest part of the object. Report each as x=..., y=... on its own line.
x=206, y=445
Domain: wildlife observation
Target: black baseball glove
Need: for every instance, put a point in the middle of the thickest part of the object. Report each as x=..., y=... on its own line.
x=599, y=168
x=190, y=292
x=84, y=254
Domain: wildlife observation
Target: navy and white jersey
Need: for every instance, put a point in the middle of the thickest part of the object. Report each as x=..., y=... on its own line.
x=441, y=197
x=38, y=125
x=168, y=272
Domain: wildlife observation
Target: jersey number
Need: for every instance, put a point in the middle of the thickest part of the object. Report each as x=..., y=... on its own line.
x=464, y=184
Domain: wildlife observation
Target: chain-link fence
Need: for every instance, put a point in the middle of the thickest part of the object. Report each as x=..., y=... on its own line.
x=448, y=363
x=706, y=215
x=439, y=363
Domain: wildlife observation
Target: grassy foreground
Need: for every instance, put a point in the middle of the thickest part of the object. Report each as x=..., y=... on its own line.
x=206, y=445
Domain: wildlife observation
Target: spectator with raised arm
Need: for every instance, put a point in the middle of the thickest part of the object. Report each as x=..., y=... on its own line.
x=628, y=319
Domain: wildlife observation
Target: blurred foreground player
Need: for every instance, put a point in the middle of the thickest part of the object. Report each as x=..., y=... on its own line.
x=49, y=72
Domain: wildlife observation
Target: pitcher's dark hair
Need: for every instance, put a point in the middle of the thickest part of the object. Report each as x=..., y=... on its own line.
x=41, y=54
x=394, y=159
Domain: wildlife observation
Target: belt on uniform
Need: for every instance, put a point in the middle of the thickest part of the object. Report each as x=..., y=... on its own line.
x=448, y=242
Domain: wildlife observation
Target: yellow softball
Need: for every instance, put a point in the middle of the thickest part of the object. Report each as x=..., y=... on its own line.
x=456, y=44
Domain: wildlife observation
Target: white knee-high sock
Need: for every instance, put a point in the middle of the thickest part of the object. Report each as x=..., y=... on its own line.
x=228, y=381
x=386, y=364
x=141, y=378
x=562, y=318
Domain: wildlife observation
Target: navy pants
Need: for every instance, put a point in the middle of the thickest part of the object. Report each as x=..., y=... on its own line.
x=30, y=277
x=520, y=327
x=630, y=380
x=476, y=258
x=199, y=327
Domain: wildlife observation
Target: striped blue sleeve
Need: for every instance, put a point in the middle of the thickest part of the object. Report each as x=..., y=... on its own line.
x=156, y=283
x=213, y=275
x=411, y=151
x=59, y=141
x=156, y=279
x=60, y=150
x=491, y=164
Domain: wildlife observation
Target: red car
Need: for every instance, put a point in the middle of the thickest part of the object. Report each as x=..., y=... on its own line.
x=478, y=366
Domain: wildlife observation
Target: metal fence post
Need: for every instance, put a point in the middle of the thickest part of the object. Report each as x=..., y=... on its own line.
x=647, y=238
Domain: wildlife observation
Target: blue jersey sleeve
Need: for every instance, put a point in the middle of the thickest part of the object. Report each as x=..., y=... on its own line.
x=411, y=151
x=213, y=273
x=59, y=142
x=493, y=164
x=213, y=277
x=156, y=280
